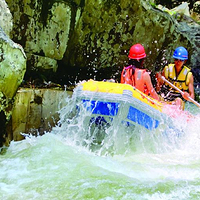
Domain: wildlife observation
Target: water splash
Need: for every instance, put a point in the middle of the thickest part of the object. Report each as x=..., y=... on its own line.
x=111, y=138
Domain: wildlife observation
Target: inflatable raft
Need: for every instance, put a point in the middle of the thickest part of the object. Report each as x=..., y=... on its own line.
x=118, y=103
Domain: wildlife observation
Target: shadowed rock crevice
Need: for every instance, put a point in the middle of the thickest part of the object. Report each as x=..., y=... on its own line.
x=3, y=134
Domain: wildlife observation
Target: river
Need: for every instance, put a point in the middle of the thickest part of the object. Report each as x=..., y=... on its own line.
x=65, y=164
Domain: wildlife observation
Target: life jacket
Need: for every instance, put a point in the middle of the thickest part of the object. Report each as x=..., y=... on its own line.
x=181, y=81
x=134, y=76
x=127, y=75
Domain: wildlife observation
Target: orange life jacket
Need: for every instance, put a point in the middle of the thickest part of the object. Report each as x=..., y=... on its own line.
x=134, y=76
x=127, y=75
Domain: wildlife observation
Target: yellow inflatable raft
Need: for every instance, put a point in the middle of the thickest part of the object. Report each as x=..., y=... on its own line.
x=122, y=103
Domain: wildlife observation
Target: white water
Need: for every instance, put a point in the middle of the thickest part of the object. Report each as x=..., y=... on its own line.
x=66, y=164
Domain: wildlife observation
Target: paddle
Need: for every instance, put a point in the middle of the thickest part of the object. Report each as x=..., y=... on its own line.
x=173, y=86
x=152, y=100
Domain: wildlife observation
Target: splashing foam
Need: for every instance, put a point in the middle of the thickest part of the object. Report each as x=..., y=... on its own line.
x=78, y=129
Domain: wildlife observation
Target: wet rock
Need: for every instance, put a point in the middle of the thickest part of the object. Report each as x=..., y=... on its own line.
x=42, y=28
x=35, y=111
x=6, y=22
x=12, y=70
x=40, y=67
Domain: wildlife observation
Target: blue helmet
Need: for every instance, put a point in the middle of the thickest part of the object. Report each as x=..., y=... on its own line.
x=180, y=53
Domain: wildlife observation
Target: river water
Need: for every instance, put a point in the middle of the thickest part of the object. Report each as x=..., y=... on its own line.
x=67, y=163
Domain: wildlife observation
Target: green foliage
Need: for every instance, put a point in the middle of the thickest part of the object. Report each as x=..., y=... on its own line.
x=197, y=97
x=152, y=3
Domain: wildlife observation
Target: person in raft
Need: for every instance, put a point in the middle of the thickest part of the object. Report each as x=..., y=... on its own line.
x=179, y=75
x=135, y=74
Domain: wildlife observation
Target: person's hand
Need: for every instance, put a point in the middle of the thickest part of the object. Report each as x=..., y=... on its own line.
x=159, y=78
x=186, y=96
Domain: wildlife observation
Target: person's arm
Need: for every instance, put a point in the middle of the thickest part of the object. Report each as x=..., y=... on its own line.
x=191, y=89
x=159, y=80
x=122, y=76
x=147, y=80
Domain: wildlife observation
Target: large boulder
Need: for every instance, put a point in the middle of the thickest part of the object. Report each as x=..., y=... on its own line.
x=42, y=28
x=5, y=18
x=12, y=70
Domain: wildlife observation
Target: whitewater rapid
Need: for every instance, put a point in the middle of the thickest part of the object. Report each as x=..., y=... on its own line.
x=62, y=164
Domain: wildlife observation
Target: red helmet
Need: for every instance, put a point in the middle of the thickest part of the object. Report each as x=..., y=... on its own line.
x=137, y=52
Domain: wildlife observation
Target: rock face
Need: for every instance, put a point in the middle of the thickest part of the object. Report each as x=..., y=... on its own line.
x=43, y=31
x=5, y=18
x=66, y=41
x=12, y=70
x=36, y=111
